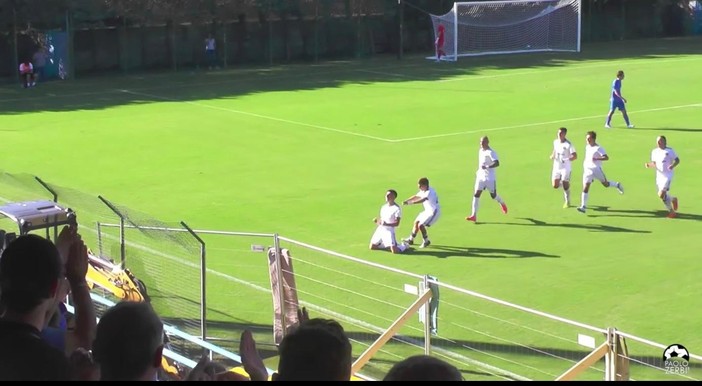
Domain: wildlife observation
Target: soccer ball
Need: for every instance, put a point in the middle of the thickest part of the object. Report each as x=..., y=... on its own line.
x=676, y=351
x=528, y=45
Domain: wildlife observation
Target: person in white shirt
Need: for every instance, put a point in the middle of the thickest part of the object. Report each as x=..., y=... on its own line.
x=664, y=159
x=429, y=216
x=384, y=235
x=562, y=155
x=485, y=177
x=594, y=156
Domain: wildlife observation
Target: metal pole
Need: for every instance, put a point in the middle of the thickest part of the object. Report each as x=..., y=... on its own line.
x=427, y=320
x=316, y=31
x=55, y=199
x=122, y=248
x=580, y=22
x=69, y=33
x=358, y=30
x=401, y=15
x=270, y=32
x=281, y=296
x=99, y=239
x=15, y=50
x=203, y=283
x=226, y=49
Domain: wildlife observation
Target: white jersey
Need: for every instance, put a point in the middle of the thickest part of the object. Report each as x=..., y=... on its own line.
x=562, y=151
x=663, y=158
x=486, y=158
x=390, y=214
x=590, y=152
x=431, y=204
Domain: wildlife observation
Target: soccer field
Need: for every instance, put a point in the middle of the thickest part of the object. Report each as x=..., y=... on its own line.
x=308, y=151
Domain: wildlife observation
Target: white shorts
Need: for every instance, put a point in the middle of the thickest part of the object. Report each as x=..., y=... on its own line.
x=384, y=237
x=486, y=184
x=560, y=172
x=663, y=182
x=428, y=218
x=593, y=174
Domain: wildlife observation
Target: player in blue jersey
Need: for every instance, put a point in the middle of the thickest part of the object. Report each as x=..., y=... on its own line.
x=617, y=101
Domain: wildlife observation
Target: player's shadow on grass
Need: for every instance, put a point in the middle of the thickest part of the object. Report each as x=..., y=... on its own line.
x=641, y=213
x=590, y=227
x=445, y=251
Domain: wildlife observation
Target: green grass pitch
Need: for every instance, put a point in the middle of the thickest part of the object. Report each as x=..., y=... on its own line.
x=308, y=152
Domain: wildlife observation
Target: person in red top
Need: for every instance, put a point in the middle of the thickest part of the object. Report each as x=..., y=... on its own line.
x=440, y=42
x=26, y=70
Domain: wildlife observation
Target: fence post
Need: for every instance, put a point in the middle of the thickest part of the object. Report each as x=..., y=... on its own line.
x=69, y=32
x=401, y=15
x=203, y=277
x=270, y=34
x=316, y=31
x=55, y=199
x=15, y=48
x=122, y=249
x=427, y=320
x=99, y=238
x=281, y=290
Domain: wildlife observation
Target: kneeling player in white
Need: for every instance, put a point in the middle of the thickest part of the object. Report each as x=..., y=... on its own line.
x=664, y=160
x=562, y=155
x=592, y=164
x=429, y=216
x=390, y=215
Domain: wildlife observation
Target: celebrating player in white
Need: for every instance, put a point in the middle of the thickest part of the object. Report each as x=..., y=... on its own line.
x=594, y=155
x=562, y=155
x=485, y=177
x=390, y=215
x=428, y=217
x=664, y=160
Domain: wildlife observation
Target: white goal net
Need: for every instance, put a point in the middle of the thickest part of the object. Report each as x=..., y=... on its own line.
x=501, y=27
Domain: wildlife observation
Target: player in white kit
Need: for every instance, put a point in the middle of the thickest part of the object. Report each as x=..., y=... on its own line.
x=384, y=235
x=592, y=164
x=664, y=159
x=562, y=155
x=485, y=177
x=429, y=216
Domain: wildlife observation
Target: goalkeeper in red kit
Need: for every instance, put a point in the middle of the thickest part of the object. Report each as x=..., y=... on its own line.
x=440, y=42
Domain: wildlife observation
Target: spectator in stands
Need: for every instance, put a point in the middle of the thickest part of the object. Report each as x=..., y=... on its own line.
x=26, y=70
x=316, y=350
x=128, y=343
x=39, y=62
x=74, y=255
x=211, y=51
x=423, y=368
x=30, y=275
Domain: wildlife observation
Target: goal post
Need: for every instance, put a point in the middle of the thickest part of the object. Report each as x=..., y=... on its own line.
x=514, y=26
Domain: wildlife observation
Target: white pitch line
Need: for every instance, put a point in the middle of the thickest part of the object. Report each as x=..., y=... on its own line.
x=260, y=116
x=539, y=123
x=567, y=68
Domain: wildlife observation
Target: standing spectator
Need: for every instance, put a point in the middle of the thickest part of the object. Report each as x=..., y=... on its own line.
x=39, y=61
x=423, y=368
x=31, y=272
x=128, y=343
x=26, y=70
x=74, y=256
x=316, y=350
x=211, y=51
